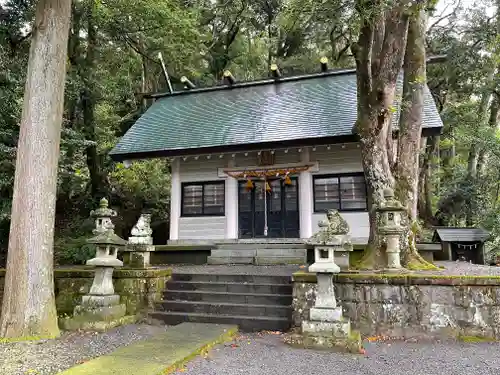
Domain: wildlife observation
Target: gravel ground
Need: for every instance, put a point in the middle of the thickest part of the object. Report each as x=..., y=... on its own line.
x=464, y=268
x=450, y=269
x=267, y=354
x=49, y=357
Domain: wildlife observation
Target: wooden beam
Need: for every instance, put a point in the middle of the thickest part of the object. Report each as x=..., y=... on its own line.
x=187, y=83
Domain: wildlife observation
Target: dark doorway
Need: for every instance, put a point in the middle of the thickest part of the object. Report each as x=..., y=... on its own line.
x=282, y=210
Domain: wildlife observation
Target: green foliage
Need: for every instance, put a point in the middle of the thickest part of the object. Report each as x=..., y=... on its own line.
x=73, y=250
x=146, y=183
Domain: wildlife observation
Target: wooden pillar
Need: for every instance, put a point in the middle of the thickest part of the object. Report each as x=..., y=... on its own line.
x=175, y=199
x=231, y=202
x=305, y=197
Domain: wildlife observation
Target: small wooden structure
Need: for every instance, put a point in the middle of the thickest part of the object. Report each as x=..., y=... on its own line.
x=461, y=244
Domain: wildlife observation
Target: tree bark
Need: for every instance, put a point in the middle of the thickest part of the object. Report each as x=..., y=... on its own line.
x=410, y=135
x=28, y=303
x=425, y=184
x=93, y=159
x=379, y=55
x=482, y=159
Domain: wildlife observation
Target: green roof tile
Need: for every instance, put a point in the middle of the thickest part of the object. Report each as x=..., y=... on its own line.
x=309, y=107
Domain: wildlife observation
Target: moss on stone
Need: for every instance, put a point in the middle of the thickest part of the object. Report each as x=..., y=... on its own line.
x=80, y=323
x=28, y=338
x=474, y=339
x=403, y=279
x=421, y=265
x=145, y=273
x=355, y=258
x=160, y=354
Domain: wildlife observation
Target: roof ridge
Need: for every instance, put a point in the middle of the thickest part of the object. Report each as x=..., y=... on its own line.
x=259, y=82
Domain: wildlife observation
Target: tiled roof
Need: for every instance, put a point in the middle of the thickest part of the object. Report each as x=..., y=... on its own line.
x=462, y=234
x=316, y=107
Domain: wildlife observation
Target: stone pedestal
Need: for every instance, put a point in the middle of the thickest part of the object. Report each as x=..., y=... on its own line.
x=137, y=253
x=326, y=327
x=391, y=229
x=138, y=256
x=393, y=251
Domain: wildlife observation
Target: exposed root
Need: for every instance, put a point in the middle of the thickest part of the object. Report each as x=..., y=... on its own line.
x=372, y=259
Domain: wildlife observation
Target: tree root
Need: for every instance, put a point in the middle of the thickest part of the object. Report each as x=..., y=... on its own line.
x=415, y=262
x=372, y=259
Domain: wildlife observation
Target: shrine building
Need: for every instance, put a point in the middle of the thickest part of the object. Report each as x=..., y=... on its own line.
x=262, y=160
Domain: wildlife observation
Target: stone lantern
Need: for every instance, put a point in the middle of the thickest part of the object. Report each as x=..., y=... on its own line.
x=103, y=217
x=390, y=227
x=326, y=327
x=105, y=261
x=100, y=308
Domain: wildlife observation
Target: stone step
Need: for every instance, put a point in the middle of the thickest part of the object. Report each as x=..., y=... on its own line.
x=246, y=246
x=236, y=278
x=225, y=308
x=234, y=253
x=231, y=287
x=230, y=260
x=245, y=323
x=210, y=296
x=268, y=261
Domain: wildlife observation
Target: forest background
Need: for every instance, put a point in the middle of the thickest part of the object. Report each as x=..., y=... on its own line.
x=112, y=60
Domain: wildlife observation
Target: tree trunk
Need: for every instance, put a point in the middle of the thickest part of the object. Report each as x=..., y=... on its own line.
x=379, y=55
x=29, y=308
x=426, y=191
x=378, y=176
x=94, y=160
x=410, y=134
x=482, y=159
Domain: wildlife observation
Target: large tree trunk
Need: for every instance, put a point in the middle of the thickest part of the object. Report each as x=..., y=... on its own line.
x=425, y=183
x=379, y=55
x=94, y=160
x=410, y=134
x=28, y=302
x=493, y=124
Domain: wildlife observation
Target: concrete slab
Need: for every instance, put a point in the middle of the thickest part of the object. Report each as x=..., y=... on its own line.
x=161, y=354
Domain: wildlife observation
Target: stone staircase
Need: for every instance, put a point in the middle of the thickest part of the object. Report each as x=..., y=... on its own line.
x=253, y=302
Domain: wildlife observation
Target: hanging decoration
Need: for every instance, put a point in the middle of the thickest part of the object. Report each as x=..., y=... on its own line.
x=288, y=180
x=263, y=173
x=249, y=185
x=268, y=187
x=465, y=247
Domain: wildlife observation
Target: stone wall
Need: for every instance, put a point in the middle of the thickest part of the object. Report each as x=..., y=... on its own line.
x=139, y=289
x=410, y=306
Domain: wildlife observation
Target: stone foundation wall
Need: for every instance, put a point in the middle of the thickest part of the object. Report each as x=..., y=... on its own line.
x=139, y=289
x=409, y=306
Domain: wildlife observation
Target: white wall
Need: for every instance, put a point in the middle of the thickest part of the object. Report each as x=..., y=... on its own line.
x=202, y=227
x=358, y=223
x=342, y=160
x=335, y=160
x=338, y=159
